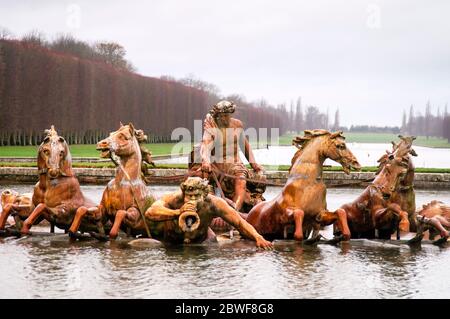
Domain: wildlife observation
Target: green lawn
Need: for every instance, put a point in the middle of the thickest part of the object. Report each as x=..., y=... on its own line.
x=85, y=150
x=379, y=138
x=184, y=166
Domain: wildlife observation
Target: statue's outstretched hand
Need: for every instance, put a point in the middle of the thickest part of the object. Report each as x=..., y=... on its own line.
x=258, y=168
x=264, y=244
x=190, y=206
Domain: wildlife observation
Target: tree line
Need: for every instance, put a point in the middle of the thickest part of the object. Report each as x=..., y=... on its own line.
x=66, y=84
x=427, y=124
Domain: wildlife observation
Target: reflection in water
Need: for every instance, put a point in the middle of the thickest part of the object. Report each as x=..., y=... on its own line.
x=43, y=268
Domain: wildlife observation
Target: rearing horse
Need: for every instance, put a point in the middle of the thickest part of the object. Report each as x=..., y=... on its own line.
x=61, y=192
x=303, y=199
x=404, y=194
x=126, y=197
x=20, y=210
x=374, y=210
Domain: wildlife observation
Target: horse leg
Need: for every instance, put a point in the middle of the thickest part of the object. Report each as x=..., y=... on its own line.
x=37, y=212
x=420, y=229
x=297, y=215
x=340, y=216
x=315, y=237
x=402, y=215
x=5, y=214
x=120, y=215
x=80, y=213
x=18, y=222
x=239, y=193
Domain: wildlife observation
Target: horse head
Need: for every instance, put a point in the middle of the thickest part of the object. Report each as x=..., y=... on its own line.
x=401, y=149
x=54, y=158
x=393, y=171
x=123, y=142
x=328, y=145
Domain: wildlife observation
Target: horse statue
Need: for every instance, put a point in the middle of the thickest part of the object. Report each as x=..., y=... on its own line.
x=375, y=210
x=434, y=217
x=404, y=195
x=58, y=186
x=126, y=197
x=303, y=198
x=20, y=206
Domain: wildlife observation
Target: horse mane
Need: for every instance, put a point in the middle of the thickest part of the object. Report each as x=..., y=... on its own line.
x=408, y=140
x=301, y=142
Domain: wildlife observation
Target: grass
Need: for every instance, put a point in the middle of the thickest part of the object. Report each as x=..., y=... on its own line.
x=353, y=137
x=88, y=150
x=184, y=166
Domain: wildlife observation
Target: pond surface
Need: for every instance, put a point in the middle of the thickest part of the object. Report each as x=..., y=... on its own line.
x=366, y=153
x=59, y=269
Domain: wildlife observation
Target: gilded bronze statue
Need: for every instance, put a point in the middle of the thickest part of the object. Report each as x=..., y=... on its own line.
x=17, y=205
x=302, y=201
x=404, y=194
x=434, y=217
x=376, y=213
x=217, y=158
x=186, y=215
x=21, y=210
x=58, y=189
x=126, y=197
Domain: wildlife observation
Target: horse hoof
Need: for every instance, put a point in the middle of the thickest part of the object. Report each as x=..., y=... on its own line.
x=13, y=232
x=98, y=236
x=336, y=240
x=312, y=241
x=76, y=235
x=415, y=240
x=440, y=241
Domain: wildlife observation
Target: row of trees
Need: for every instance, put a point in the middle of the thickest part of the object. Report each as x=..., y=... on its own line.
x=87, y=98
x=299, y=119
x=108, y=52
x=428, y=124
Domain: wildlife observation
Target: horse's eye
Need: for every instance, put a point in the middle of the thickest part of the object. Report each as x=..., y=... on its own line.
x=341, y=146
x=62, y=153
x=47, y=152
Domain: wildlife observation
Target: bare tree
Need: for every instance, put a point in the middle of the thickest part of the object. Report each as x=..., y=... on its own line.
x=299, y=116
x=411, y=120
x=337, y=123
x=35, y=37
x=5, y=34
x=428, y=120
x=404, y=123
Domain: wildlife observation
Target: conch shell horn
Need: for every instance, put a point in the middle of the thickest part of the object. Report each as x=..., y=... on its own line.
x=189, y=221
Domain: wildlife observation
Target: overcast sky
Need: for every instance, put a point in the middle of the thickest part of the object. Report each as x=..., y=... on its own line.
x=372, y=59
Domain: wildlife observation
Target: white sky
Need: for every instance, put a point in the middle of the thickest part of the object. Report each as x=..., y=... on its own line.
x=372, y=59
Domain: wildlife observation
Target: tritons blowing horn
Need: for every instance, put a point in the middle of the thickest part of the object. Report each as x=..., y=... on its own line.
x=189, y=220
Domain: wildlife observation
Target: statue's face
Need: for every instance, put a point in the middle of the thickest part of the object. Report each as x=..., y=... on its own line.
x=194, y=189
x=194, y=195
x=224, y=118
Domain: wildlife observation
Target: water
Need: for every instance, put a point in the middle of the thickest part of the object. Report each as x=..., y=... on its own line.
x=366, y=153
x=59, y=269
